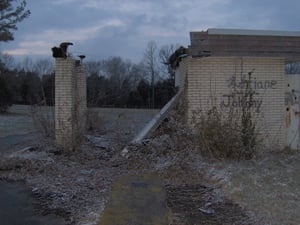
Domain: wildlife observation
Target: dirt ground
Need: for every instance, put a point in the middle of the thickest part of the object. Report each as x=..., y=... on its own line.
x=268, y=185
x=262, y=191
x=259, y=191
x=75, y=186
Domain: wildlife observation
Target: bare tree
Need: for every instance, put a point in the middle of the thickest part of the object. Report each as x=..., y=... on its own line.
x=137, y=73
x=7, y=60
x=151, y=66
x=26, y=65
x=43, y=67
x=93, y=68
x=164, y=54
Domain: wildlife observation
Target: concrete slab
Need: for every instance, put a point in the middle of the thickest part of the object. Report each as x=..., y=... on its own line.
x=136, y=200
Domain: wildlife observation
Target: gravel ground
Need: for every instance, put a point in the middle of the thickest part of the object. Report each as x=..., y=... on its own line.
x=264, y=190
x=77, y=187
x=73, y=187
x=268, y=186
x=202, y=205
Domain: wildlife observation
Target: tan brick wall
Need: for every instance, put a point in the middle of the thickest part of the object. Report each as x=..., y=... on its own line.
x=210, y=82
x=80, y=111
x=70, y=102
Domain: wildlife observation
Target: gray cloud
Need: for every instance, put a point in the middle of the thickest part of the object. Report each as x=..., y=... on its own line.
x=123, y=27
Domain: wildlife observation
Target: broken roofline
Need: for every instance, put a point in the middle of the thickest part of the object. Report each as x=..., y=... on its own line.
x=240, y=43
x=245, y=43
x=223, y=31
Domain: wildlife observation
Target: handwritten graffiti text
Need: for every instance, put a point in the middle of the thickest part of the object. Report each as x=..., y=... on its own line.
x=239, y=101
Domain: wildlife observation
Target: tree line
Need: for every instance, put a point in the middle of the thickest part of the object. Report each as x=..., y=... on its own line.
x=112, y=82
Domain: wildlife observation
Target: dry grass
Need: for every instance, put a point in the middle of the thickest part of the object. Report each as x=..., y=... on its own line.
x=43, y=120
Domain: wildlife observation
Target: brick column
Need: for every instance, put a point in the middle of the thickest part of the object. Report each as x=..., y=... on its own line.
x=80, y=106
x=70, y=103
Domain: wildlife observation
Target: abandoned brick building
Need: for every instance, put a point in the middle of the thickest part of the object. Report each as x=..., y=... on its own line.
x=217, y=60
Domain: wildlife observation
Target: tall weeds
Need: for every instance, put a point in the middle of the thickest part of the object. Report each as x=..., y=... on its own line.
x=229, y=133
x=43, y=118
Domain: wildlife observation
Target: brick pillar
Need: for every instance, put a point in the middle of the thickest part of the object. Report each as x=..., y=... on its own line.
x=70, y=103
x=80, y=106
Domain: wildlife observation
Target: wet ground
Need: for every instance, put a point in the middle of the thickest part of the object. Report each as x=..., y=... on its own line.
x=10, y=140
x=16, y=204
x=73, y=194
x=146, y=200
x=139, y=200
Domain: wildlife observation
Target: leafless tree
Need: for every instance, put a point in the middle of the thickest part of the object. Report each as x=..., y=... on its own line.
x=93, y=68
x=7, y=60
x=137, y=73
x=43, y=67
x=27, y=65
x=151, y=66
x=117, y=70
x=164, y=54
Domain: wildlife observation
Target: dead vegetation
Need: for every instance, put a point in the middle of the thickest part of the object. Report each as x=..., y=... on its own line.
x=229, y=133
x=196, y=164
x=203, y=205
x=43, y=120
x=192, y=197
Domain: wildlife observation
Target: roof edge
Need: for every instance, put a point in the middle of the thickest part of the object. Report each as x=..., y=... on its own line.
x=222, y=31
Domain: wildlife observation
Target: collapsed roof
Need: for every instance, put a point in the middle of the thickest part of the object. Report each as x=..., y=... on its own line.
x=235, y=42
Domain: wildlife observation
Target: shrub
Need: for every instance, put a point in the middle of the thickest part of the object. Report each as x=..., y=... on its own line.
x=229, y=134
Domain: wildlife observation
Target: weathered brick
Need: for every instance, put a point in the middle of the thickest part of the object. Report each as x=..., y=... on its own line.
x=208, y=79
x=70, y=102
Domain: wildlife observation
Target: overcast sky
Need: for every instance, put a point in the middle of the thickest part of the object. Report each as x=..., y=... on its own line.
x=104, y=28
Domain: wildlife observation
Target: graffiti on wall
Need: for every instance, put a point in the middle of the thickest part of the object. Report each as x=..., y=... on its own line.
x=241, y=88
x=291, y=97
x=292, y=108
x=233, y=83
x=230, y=100
x=292, y=111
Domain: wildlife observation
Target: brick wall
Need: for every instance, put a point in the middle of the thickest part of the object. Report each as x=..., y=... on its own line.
x=210, y=80
x=292, y=110
x=285, y=45
x=80, y=116
x=70, y=102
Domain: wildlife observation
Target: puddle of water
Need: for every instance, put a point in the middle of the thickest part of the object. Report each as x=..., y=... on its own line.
x=16, y=207
x=136, y=200
x=10, y=140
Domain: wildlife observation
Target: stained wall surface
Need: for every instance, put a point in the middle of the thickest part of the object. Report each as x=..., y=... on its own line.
x=70, y=102
x=211, y=82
